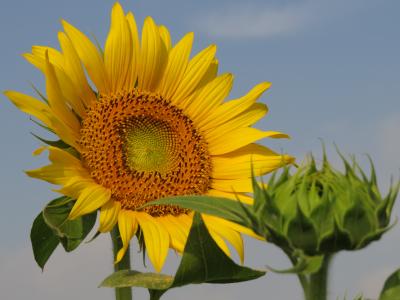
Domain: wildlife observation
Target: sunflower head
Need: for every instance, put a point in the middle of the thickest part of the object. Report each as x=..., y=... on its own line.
x=141, y=120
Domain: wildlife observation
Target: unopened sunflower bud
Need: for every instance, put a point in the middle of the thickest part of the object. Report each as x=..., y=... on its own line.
x=323, y=211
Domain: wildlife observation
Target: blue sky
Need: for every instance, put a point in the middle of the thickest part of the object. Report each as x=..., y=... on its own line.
x=335, y=70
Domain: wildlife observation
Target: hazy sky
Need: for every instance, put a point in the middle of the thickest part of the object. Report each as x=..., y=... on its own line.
x=335, y=70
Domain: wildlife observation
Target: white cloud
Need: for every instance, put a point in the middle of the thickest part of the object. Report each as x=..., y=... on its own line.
x=255, y=20
x=388, y=147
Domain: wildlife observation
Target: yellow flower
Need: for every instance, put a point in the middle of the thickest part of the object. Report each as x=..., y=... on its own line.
x=155, y=125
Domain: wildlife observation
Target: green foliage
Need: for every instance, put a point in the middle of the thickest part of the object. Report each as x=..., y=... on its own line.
x=44, y=241
x=310, y=214
x=59, y=143
x=52, y=227
x=303, y=264
x=202, y=262
x=220, y=207
x=128, y=278
x=322, y=211
x=391, y=288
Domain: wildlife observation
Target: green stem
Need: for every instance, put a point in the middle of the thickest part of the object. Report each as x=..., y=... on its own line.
x=318, y=282
x=124, y=264
x=302, y=278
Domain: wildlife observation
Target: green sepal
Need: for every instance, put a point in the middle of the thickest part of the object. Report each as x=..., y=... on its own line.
x=40, y=94
x=70, y=232
x=202, y=262
x=374, y=236
x=357, y=221
x=41, y=125
x=391, y=288
x=385, y=208
x=265, y=209
x=322, y=218
x=336, y=240
x=304, y=264
x=43, y=240
x=301, y=232
x=59, y=143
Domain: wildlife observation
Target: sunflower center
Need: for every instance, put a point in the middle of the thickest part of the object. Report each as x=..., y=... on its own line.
x=143, y=148
x=150, y=145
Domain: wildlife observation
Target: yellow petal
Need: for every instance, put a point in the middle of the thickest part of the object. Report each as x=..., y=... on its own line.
x=178, y=60
x=118, y=51
x=69, y=136
x=134, y=68
x=153, y=56
x=219, y=241
x=209, y=97
x=235, y=139
x=209, y=75
x=238, y=164
x=196, y=69
x=75, y=185
x=243, y=185
x=63, y=167
x=232, y=108
x=31, y=106
x=178, y=231
x=57, y=101
x=44, y=113
x=91, y=198
x=247, y=118
x=156, y=238
x=226, y=232
x=277, y=135
x=55, y=56
x=109, y=215
x=165, y=37
x=90, y=57
x=236, y=227
x=39, y=150
x=127, y=225
x=73, y=68
x=69, y=88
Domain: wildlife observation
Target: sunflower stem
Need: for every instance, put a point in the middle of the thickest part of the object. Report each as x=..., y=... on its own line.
x=318, y=282
x=124, y=264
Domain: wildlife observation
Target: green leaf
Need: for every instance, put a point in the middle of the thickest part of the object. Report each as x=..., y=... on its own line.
x=70, y=232
x=127, y=278
x=56, y=213
x=391, y=288
x=43, y=240
x=228, y=209
x=202, y=262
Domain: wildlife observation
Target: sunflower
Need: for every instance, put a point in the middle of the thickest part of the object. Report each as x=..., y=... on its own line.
x=142, y=120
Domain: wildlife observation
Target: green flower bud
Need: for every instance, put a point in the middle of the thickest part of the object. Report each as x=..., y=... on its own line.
x=321, y=211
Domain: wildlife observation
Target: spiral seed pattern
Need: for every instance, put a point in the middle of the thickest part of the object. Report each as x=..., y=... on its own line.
x=143, y=148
